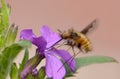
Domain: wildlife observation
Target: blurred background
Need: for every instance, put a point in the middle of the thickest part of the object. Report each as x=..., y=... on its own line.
x=64, y=14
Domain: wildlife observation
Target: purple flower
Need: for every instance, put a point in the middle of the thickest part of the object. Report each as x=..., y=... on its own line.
x=45, y=45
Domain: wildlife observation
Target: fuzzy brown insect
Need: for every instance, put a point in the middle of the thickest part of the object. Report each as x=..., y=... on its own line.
x=79, y=39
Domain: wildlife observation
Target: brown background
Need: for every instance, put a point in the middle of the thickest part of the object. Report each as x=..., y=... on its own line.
x=64, y=14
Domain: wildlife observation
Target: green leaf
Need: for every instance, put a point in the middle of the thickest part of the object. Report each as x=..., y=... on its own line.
x=14, y=34
x=11, y=35
x=4, y=22
x=25, y=43
x=42, y=73
x=89, y=60
x=14, y=72
x=2, y=42
x=6, y=60
x=48, y=78
x=85, y=61
x=25, y=59
x=7, y=56
x=69, y=73
x=30, y=76
x=4, y=13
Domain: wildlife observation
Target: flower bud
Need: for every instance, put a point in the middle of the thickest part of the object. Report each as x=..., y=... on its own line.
x=31, y=65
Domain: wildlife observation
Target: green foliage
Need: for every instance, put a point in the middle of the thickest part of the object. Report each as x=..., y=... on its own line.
x=85, y=61
x=30, y=77
x=31, y=63
x=4, y=22
x=25, y=59
x=4, y=15
x=89, y=60
x=11, y=35
x=14, y=72
x=41, y=74
x=25, y=43
x=7, y=56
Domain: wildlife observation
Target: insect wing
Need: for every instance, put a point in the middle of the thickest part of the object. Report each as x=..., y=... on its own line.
x=89, y=27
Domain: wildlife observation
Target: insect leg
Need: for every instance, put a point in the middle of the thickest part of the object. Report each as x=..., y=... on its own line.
x=73, y=50
x=69, y=60
x=63, y=43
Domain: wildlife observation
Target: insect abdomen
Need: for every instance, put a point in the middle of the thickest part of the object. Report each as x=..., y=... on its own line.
x=84, y=43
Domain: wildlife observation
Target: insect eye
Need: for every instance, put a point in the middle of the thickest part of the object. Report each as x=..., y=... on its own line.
x=74, y=35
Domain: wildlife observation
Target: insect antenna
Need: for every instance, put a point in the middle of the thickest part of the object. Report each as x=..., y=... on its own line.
x=60, y=32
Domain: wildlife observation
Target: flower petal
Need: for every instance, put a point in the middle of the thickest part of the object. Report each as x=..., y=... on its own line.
x=40, y=42
x=51, y=37
x=27, y=34
x=69, y=60
x=53, y=66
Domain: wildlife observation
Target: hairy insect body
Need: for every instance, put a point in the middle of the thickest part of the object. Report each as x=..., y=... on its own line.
x=83, y=43
x=77, y=39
